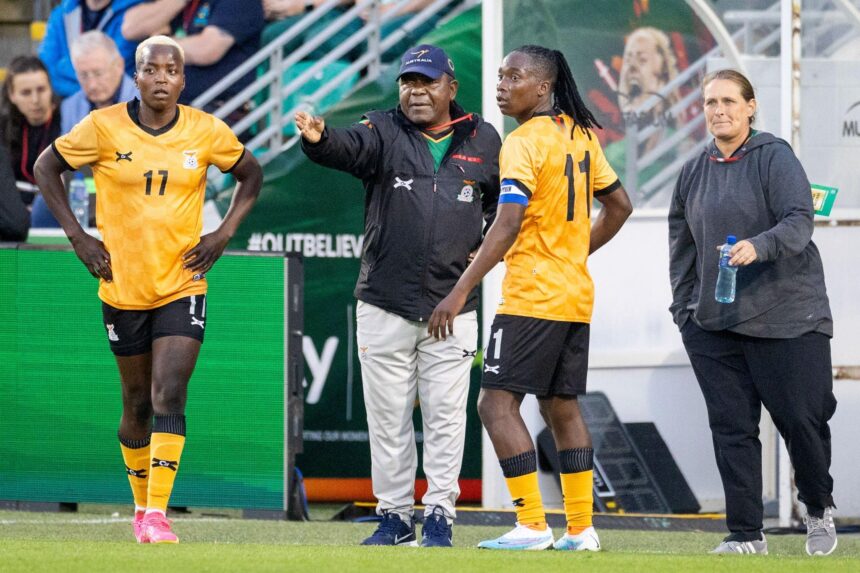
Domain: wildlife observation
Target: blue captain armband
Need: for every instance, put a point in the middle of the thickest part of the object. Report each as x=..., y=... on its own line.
x=513, y=191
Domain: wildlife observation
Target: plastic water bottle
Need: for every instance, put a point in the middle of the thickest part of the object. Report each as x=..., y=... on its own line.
x=79, y=200
x=725, y=291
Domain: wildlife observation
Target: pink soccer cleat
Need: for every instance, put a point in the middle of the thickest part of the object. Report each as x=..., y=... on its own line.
x=138, y=527
x=156, y=529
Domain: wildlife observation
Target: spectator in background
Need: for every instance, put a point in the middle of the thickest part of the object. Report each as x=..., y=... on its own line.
x=70, y=20
x=29, y=118
x=101, y=71
x=216, y=35
x=14, y=216
x=283, y=14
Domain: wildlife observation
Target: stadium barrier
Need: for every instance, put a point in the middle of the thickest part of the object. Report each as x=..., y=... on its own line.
x=60, y=394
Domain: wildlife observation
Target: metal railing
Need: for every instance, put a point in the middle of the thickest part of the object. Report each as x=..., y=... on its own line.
x=269, y=116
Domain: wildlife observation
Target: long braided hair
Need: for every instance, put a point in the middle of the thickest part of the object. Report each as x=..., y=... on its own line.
x=553, y=65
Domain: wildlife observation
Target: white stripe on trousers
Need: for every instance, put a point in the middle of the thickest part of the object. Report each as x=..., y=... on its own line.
x=399, y=361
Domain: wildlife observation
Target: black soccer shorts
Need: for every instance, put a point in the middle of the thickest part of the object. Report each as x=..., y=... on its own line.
x=131, y=332
x=535, y=356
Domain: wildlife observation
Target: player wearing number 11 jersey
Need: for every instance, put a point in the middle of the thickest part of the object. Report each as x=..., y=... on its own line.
x=149, y=159
x=551, y=167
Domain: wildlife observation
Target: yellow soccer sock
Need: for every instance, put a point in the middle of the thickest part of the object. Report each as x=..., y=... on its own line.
x=166, y=450
x=527, y=500
x=135, y=454
x=578, y=500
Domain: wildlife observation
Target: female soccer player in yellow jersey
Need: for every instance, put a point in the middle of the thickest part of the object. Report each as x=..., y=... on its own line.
x=149, y=159
x=551, y=167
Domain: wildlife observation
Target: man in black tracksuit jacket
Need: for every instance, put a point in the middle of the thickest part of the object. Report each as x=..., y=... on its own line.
x=431, y=177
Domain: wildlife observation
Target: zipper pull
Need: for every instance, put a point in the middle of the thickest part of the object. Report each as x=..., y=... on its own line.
x=434, y=184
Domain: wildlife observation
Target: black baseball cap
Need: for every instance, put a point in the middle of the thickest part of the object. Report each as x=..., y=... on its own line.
x=427, y=60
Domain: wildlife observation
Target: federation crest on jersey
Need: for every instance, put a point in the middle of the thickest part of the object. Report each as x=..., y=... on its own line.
x=467, y=194
x=190, y=161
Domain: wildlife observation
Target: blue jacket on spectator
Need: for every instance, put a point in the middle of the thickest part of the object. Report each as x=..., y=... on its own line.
x=65, y=24
x=76, y=107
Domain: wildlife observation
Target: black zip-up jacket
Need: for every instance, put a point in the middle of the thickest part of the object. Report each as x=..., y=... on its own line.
x=419, y=224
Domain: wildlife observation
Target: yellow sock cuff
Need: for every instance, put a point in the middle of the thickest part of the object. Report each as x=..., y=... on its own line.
x=166, y=451
x=137, y=467
x=527, y=500
x=577, y=489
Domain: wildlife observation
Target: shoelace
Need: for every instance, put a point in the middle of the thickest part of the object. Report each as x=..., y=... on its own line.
x=157, y=519
x=817, y=523
x=435, y=524
x=389, y=525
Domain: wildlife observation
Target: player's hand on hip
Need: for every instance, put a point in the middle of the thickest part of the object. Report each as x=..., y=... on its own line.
x=311, y=127
x=93, y=254
x=441, y=322
x=201, y=258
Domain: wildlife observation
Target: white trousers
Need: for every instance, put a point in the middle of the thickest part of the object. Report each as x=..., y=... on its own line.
x=399, y=362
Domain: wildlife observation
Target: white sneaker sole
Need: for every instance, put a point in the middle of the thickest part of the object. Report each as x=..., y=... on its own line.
x=821, y=553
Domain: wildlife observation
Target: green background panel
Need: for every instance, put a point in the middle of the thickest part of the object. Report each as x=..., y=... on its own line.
x=60, y=393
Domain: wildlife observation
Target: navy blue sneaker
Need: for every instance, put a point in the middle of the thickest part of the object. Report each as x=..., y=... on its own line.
x=437, y=530
x=392, y=531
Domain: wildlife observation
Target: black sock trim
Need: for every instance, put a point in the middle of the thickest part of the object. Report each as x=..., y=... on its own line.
x=133, y=444
x=519, y=465
x=169, y=424
x=576, y=460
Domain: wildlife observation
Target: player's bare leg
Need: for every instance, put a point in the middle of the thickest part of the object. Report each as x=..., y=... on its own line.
x=135, y=427
x=173, y=361
x=500, y=413
x=576, y=457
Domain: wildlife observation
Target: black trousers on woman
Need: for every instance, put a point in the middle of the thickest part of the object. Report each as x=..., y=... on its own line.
x=792, y=378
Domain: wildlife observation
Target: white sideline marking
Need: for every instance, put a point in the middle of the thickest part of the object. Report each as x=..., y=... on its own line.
x=97, y=521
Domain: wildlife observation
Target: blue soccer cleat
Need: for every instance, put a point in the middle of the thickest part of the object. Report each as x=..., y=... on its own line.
x=437, y=530
x=392, y=531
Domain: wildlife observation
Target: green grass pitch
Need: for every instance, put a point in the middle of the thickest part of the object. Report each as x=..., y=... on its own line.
x=90, y=541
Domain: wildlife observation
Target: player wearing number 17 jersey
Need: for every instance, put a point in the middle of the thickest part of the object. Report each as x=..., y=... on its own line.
x=551, y=167
x=149, y=159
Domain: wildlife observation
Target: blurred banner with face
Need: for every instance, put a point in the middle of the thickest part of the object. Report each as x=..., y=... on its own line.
x=623, y=60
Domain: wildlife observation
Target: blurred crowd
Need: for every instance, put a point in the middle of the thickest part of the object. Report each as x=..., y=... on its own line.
x=86, y=62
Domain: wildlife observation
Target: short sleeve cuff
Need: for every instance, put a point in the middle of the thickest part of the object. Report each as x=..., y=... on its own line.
x=607, y=190
x=63, y=162
x=244, y=151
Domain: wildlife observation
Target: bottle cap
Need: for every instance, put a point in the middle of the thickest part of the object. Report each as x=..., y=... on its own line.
x=79, y=175
x=731, y=240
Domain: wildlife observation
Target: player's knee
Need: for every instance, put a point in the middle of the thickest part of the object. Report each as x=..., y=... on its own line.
x=492, y=409
x=168, y=400
x=142, y=414
x=484, y=408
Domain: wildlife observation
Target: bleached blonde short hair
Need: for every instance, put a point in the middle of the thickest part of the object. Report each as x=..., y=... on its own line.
x=157, y=41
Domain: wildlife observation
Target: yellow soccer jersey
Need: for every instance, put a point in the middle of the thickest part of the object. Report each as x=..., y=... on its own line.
x=555, y=169
x=150, y=190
